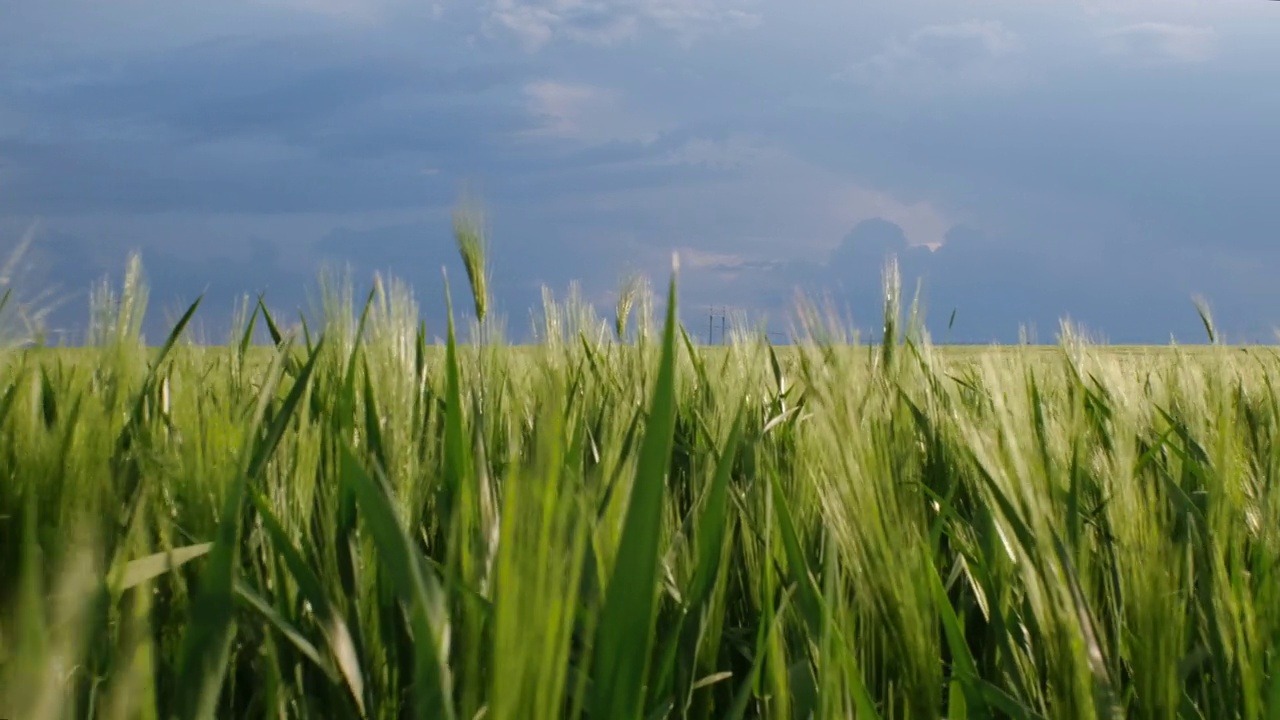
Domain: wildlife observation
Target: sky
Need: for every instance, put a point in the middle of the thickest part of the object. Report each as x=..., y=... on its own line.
x=1026, y=161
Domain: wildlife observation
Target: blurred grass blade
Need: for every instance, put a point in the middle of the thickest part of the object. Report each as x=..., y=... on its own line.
x=152, y=566
x=256, y=602
x=1106, y=703
x=625, y=634
x=246, y=339
x=176, y=333
x=460, y=508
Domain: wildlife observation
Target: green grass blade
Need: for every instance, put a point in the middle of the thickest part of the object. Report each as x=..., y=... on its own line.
x=808, y=596
x=1105, y=701
x=136, y=417
x=963, y=664
x=338, y=636
x=625, y=634
x=460, y=508
x=247, y=338
x=153, y=566
x=266, y=447
x=207, y=643
x=277, y=337
x=176, y=333
x=251, y=599
x=742, y=698
x=418, y=591
x=714, y=519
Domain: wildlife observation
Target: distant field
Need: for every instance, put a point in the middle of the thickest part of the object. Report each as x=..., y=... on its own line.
x=367, y=525
x=262, y=352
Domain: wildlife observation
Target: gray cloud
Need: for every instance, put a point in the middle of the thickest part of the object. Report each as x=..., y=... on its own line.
x=1106, y=190
x=535, y=23
x=254, y=127
x=1161, y=42
x=1179, y=159
x=971, y=56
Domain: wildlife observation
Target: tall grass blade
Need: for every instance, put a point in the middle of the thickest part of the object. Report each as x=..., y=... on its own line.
x=417, y=590
x=625, y=635
x=153, y=566
x=332, y=626
x=207, y=643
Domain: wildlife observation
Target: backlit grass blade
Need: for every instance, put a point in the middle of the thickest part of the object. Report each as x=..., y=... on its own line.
x=306, y=331
x=176, y=333
x=10, y=394
x=48, y=400
x=207, y=642
x=136, y=418
x=30, y=643
x=372, y=419
x=625, y=634
x=999, y=699
x=699, y=364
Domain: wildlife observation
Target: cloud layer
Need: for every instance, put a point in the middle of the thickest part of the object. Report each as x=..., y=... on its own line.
x=1027, y=160
x=535, y=23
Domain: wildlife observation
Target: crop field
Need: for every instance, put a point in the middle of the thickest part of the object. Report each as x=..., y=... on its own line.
x=346, y=520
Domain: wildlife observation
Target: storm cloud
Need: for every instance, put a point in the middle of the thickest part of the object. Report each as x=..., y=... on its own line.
x=1025, y=162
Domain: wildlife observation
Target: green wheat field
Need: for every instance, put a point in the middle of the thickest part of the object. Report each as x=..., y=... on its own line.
x=349, y=520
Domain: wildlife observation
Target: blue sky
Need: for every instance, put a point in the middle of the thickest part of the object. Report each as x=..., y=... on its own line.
x=1029, y=160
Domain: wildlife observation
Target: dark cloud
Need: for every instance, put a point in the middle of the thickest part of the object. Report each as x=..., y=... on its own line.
x=307, y=124
x=1109, y=192
x=221, y=88
x=293, y=91
x=141, y=178
x=1109, y=144
x=302, y=125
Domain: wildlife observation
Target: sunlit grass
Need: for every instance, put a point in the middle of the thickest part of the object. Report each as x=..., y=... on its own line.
x=617, y=523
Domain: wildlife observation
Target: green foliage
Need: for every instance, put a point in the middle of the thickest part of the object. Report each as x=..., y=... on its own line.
x=356, y=524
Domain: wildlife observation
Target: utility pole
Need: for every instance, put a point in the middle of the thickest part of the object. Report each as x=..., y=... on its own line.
x=711, y=324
